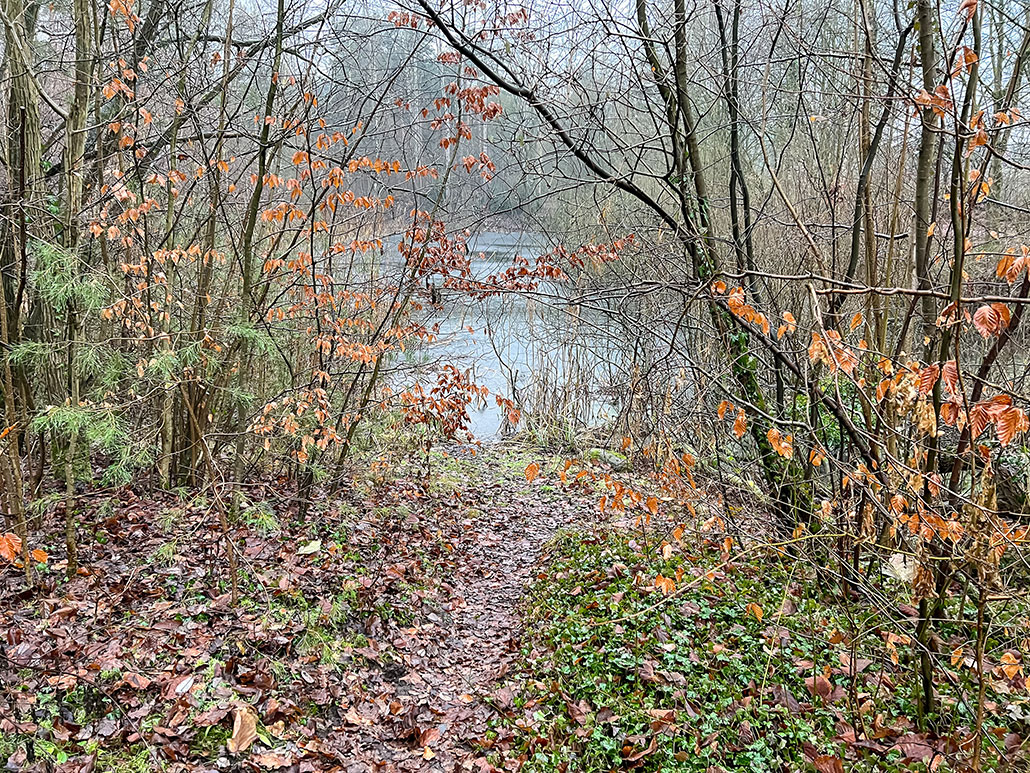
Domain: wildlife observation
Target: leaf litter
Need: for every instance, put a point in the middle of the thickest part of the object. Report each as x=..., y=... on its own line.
x=375, y=635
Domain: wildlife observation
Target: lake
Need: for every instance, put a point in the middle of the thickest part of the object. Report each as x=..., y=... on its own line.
x=533, y=348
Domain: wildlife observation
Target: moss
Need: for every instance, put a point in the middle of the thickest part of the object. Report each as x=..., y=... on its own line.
x=615, y=460
x=210, y=741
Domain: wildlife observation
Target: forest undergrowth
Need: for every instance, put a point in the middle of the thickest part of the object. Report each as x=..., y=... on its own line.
x=371, y=634
x=489, y=616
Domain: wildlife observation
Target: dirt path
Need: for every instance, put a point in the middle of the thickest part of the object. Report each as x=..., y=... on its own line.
x=454, y=683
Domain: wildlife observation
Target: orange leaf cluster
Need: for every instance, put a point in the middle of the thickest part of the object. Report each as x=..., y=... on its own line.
x=404, y=19
x=1009, y=420
x=738, y=306
x=1012, y=265
x=782, y=444
x=739, y=422
x=939, y=101
x=830, y=351
x=927, y=525
x=788, y=327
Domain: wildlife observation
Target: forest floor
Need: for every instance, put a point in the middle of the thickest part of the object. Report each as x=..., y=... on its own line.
x=377, y=633
x=490, y=619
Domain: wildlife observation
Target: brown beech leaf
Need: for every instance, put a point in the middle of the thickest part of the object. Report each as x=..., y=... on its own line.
x=927, y=378
x=951, y=377
x=1011, y=422
x=635, y=755
x=819, y=686
x=136, y=681
x=244, y=730
x=914, y=746
x=740, y=424
x=782, y=445
x=827, y=764
x=211, y=716
x=273, y=760
x=978, y=420
x=985, y=321
x=10, y=546
x=991, y=320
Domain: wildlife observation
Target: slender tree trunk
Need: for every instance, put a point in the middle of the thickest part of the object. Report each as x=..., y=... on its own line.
x=924, y=174
x=249, y=226
x=12, y=496
x=74, y=150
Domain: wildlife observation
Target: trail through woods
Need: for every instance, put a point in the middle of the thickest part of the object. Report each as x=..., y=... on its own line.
x=458, y=664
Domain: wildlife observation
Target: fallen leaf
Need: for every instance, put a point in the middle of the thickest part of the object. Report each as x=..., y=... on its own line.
x=244, y=730
x=136, y=681
x=651, y=748
x=272, y=760
x=755, y=610
x=827, y=764
x=819, y=686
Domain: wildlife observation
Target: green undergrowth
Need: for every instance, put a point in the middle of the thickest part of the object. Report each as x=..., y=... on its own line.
x=623, y=675
x=738, y=669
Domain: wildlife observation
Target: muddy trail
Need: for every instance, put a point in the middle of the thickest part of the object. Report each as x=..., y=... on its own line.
x=461, y=663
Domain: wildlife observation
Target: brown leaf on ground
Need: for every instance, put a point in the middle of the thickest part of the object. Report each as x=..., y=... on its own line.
x=819, y=686
x=504, y=699
x=823, y=688
x=244, y=730
x=273, y=760
x=915, y=747
x=212, y=716
x=827, y=764
x=636, y=756
x=136, y=681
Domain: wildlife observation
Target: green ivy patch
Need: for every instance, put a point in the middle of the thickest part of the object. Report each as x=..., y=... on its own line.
x=707, y=675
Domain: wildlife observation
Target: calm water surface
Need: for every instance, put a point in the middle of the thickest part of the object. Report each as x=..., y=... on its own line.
x=517, y=341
